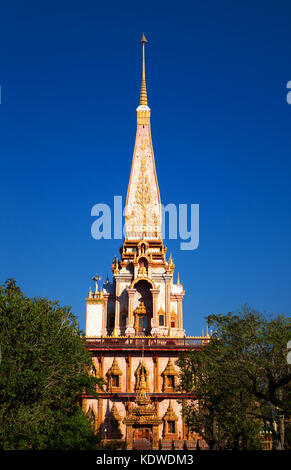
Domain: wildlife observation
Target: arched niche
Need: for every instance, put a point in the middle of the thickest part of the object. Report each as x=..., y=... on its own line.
x=143, y=266
x=142, y=306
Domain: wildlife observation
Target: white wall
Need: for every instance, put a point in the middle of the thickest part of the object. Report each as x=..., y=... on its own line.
x=94, y=320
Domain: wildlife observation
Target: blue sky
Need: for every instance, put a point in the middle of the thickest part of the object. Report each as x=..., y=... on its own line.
x=216, y=77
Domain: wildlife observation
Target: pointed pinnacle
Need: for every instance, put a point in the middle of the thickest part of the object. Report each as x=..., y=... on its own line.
x=143, y=92
x=143, y=38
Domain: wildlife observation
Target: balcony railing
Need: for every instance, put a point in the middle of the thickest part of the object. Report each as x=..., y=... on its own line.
x=148, y=341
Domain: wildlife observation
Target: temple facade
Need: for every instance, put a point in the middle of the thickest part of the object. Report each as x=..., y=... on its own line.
x=134, y=324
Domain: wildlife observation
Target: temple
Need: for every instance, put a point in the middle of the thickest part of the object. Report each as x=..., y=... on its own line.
x=134, y=324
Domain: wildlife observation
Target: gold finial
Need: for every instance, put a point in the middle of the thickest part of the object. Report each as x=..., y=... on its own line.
x=178, y=280
x=90, y=293
x=96, y=279
x=143, y=38
x=143, y=92
x=115, y=267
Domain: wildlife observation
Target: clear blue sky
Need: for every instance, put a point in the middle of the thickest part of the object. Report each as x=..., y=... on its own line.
x=216, y=78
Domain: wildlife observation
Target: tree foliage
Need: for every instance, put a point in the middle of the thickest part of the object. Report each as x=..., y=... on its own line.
x=241, y=380
x=44, y=370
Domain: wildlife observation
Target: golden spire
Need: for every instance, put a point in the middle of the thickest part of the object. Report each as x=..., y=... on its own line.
x=143, y=92
x=178, y=280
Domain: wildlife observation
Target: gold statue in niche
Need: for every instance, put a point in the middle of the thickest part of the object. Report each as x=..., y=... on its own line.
x=142, y=378
x=142, y=319
x=142, y=269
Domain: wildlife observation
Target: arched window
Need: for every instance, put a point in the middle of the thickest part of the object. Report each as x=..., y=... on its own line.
x=114, y=377
x=170, y=423
x=170, y=375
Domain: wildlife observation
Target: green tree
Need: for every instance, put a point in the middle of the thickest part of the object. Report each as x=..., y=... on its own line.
x=241, y=380
x=44, y=370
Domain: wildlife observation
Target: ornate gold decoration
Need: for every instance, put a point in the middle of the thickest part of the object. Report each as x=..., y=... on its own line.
x=143, y=195
x=143, y=413
x=115, y=268
x=161, y=311
x=173, y=318
x=143, y=246
x=142, y=377
x=114, y=412
x=114, y=377
x=170, y=416
x=146, y=211
x=170, y=369
x=141, y=278
x=140, y=312
x=171, y=265
x=142, y=397
x=141, y=309
x=114, y=369
x=170, y=375
x=142, y=269
x=95, y=297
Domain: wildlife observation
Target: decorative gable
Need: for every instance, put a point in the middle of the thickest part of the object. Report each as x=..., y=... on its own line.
x=114, y=377
x=170, y=423
x=170, y=375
